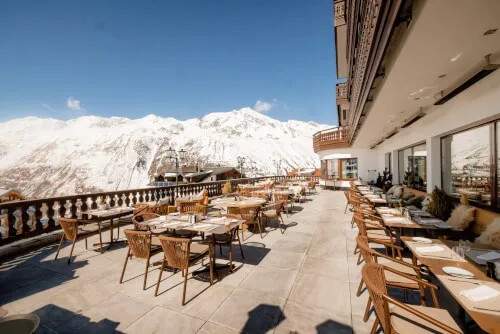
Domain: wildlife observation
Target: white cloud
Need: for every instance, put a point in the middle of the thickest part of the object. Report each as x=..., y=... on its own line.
x=263, y=106
x=73, y=104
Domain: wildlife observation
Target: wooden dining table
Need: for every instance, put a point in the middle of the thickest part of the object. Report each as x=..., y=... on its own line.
x=485, y=313
x=99, y=216
x=393, y=219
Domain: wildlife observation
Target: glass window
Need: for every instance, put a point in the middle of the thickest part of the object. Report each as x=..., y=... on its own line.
x=349, y=168
x=413, y=167
x=333, y=169
x=466, y=166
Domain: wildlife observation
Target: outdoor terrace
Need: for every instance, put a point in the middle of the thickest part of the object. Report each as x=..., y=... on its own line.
x=304, y=280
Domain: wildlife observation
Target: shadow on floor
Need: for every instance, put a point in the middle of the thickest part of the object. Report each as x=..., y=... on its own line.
x=25, y=275
x=264, y=318
x=51, y=315
x=254, y=253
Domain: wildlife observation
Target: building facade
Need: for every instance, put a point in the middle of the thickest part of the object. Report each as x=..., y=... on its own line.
x=419, y=95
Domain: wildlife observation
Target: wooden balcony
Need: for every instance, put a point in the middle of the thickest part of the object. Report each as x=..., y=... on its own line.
x=342, y=93
x=339, y=18
x=330, y=139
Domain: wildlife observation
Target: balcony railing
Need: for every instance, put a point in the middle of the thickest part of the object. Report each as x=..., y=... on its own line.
x=339, y=13
x=342, y=93
x=24, y=219
x=330, y=139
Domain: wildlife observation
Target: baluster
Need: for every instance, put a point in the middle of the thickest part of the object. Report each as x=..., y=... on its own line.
x=68, y=209
x=38, y=218
x=59, y=211
x=25, y=219
x=51, y=224
x=78, y=208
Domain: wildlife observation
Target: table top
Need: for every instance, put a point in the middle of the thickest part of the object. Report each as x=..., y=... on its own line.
x=215, y=225
x=487, y=320
x=230, y=202
x=393, y=218
x=112, y=212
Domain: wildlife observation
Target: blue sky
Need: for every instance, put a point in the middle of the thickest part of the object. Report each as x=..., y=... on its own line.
x=182, y=59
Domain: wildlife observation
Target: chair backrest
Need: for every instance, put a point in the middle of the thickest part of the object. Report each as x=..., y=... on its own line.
x=364, y=248
x=139, y=243
x=142, y=208
x=249, y=213
x=281, y=198
x=278, y=207
x=160, y=209
x=137, y=220
x=188, y=206
x=359, y=220
x=70, y=227
x=373, y=276
x=176, y=251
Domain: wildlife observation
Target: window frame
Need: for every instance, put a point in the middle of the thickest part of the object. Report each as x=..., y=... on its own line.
x=339, y=169
x=412, y=147
x=493, y=135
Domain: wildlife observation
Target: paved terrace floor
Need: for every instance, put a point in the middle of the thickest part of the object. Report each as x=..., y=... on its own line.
x=303, y=281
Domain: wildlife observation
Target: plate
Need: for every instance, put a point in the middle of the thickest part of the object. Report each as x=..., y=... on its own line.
x=458, y=272
x=422, y=240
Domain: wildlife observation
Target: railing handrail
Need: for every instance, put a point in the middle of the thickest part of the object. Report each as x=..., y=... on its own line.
x=332, y=129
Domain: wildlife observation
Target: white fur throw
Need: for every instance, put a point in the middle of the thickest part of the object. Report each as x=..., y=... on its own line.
x=491, y=236
x=461, y=217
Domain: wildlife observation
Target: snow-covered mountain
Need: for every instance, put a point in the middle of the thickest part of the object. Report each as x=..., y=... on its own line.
x=48, y=157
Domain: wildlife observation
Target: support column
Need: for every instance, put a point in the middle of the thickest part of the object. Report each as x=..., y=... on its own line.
x=433, y=146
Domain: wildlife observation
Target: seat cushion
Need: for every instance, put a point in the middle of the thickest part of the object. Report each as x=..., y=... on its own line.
x=88, y=228
x=405, y=322
x=270, y=213
x=395, y=279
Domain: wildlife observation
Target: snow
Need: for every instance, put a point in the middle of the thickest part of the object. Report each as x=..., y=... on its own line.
x=49, y=157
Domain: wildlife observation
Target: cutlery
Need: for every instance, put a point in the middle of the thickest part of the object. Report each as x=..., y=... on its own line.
x=456, y=280
x=485, y=309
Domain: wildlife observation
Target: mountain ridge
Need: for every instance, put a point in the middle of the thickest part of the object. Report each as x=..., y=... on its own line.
x=50, y=157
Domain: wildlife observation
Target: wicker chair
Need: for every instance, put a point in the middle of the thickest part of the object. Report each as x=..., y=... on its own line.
x=348, y=204
x=141, y=246
x=273, y=211
x=398, y=277
x=227, y=239
x=192, y=207
x=163, y=209
x=250, y=214
x=181, y=253
x=284, y=198
x=400, y=317
x=73, y=232
x=138, y=220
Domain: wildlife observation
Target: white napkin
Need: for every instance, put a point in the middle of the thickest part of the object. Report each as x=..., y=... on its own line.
x=429, y=249
x=489, y=256
x=482, y=292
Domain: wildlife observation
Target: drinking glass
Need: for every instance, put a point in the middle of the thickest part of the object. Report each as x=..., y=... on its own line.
x=465, y=244
x=457, y=253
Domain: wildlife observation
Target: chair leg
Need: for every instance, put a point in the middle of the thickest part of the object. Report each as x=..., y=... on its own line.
x=211, y=265
x=125, y=266
x=159, y=277
x=356, y=249
x=360, y=288
x=220, y=249
x=71, y=252
x=367, y=310
x=184, y=290
x=281, y=224
x=375, y=326
x=346, y=206
x=86, y=244
x=60, y=245
x=146, y=274
x=230, y=256
x=100, y=239
x=259, y=222
x=241, y=248
x=359, y=258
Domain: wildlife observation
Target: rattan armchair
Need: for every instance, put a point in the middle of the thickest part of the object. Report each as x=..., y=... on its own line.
x=286, y=202
x=273, y=211
x=250, y=214
x=181, y=253
x=73, y=232
x=397, y=317
x=398, y=271
x=227, y=239
x=141, y=246
x=139, y=219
